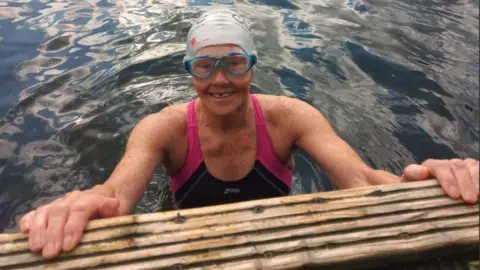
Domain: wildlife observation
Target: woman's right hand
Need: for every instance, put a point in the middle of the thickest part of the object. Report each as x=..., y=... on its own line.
x=60, y=225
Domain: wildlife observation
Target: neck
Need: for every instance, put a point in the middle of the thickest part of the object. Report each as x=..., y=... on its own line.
x=234, y=121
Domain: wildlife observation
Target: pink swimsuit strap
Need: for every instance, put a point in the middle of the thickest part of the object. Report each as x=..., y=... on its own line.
x=264, y=154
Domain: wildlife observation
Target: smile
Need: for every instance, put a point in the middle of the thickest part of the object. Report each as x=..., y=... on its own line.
x=221, y=95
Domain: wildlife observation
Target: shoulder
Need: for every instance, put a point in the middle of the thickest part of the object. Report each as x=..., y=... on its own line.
x=281, y=109
x=173, y=116
x=161, y=128
x=292, y=115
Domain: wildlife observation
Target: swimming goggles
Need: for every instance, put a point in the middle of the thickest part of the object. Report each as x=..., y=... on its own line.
x=233, y=63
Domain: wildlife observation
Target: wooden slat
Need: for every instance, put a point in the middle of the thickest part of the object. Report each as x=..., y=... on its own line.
x=329, y=256
x=238, y=235
x=202, y=233
x=277, y=212
x=156, y=235
x=307, y=241
x=257, y=254
x=305, y=198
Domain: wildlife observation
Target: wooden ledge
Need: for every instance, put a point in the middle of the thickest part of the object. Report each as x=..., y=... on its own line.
x=367, y=226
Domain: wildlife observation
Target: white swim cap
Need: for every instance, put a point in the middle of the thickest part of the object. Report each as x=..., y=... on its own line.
x=219, y=26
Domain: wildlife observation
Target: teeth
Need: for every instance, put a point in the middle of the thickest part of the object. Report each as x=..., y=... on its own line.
x=221, y=95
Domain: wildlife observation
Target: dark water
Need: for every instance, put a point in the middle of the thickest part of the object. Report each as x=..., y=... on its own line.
x=397, y=79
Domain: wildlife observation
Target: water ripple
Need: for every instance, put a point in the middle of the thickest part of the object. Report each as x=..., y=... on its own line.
x=398, y=80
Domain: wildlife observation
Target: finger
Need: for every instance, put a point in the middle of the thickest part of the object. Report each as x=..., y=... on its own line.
x=72, y=196
x=415, y=172
x=462, y=175
x=37, y=229
x=81, y=213
x=74, y=228
x=473, y=166
x=109, y=207
x=26, y=221
x=442, y=172
x=54, y=232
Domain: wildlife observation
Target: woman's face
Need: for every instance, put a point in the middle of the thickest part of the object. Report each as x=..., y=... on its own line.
x=221, y=82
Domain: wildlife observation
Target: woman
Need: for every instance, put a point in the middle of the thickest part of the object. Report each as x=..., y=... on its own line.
x=225, y=146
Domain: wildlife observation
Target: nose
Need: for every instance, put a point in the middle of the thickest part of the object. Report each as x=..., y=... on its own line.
x=219, y=76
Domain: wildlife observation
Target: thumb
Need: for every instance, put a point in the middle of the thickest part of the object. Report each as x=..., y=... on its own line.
x=109, y=207
x=415, y=172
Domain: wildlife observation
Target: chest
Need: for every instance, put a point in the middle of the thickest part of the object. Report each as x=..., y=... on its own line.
x=232, y=156
x=243, y=143
x=227, y=147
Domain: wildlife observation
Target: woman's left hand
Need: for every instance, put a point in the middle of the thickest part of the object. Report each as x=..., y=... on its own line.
x=458, y=178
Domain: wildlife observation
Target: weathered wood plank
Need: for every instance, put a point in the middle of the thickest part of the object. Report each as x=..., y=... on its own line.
x=291, y=254
x=229, y=238
x=289, y=220
x=305, y=198
x=277, y=210
x=325, y=258
x=240, y=235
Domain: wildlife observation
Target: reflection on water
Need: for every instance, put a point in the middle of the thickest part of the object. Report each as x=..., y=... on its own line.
x=398, y=80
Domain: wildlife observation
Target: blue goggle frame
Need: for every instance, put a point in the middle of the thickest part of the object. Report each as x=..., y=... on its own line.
x=252, y=59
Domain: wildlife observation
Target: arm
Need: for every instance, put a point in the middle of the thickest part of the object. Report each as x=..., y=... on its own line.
x=59, y=225
x=146, y=149
x=314, y=135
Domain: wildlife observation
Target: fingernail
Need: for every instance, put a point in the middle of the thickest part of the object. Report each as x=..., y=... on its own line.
x=67, y=242
x=50, y=248
x=469, y=195
x=419, y=171
x=37, y=240
x=454, y=191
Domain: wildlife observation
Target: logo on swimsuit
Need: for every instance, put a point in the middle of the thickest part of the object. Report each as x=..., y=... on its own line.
x=231, y=191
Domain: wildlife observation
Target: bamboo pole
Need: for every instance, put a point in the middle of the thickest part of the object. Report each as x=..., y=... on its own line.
x=313, y=229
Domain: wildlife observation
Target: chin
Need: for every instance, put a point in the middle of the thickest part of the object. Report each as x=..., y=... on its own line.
x=223, y=110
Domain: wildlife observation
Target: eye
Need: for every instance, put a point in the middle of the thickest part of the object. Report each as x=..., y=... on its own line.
x=203, y=66
x=237, y=62
x=203, y=63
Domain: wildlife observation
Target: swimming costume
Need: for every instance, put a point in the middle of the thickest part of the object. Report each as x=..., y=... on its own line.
x=194, y=186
